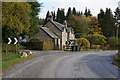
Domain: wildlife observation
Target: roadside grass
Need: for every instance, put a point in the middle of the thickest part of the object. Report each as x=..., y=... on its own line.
x=116, y=58
x=11, y=59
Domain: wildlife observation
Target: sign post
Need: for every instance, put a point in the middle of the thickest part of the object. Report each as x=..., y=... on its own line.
x=6, y=49
x=11, y=41
x=16, y=48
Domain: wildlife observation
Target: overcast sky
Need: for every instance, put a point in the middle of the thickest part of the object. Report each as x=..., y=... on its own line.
x=80, y=5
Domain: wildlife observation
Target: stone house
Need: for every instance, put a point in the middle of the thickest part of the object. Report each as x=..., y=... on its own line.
x=56, y=32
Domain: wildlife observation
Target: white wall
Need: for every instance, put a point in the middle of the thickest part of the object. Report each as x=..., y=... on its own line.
x=64, y=37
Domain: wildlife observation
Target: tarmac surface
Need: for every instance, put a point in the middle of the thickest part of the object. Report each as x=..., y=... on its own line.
x=66, y=64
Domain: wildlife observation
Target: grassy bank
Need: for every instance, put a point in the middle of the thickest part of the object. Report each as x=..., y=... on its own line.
x=11, y=59
x=116, y=58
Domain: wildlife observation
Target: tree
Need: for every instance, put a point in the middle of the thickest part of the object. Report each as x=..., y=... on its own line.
x=89, y=12
x=86, y=12
x=117, y=14
x=113, y=41
x=34, y=29
x=79, y=23
x=46, y=16
x=107, y=22
x=97, y=39
x=94, y=26
x=15, y=18
x=60, y=16
x=69, y=12
x=41, y=21
x=74, y=11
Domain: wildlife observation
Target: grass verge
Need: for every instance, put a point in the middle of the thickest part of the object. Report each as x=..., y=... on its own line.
x=116, y=58
x=11, y=59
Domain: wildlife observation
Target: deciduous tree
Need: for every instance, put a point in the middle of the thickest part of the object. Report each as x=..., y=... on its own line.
x=15, y=18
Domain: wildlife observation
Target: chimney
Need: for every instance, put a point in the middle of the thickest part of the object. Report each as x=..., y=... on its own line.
x=50, y=16
x=65, y=23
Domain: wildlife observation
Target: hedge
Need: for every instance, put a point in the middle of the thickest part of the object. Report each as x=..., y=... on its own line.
x=47, y=45
x=10, y=47
x=36, y=44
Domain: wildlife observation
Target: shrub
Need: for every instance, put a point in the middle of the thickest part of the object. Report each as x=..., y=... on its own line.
x=83, y=43
x=36, y=44
x=113, y=41
x=97, y=39
x=96, y=46
x=10, y=47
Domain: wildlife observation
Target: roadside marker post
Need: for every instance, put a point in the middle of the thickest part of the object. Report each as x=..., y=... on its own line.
x=11, y=41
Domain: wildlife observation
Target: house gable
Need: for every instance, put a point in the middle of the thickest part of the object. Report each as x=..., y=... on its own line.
x=49, y=24
x=43, y=36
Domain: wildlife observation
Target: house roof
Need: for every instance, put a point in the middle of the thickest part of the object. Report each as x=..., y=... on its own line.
x=58, y=25
x=49, y=32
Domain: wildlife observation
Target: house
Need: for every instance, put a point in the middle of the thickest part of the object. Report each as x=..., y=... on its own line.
x=56, y=32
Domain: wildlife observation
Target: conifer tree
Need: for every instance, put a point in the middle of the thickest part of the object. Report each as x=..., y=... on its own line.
x=74, y=11
x=69, y=12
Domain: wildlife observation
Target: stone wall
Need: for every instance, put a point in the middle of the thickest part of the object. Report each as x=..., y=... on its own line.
x=55, y=30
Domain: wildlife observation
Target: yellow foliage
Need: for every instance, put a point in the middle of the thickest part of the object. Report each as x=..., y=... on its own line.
x=16, y=16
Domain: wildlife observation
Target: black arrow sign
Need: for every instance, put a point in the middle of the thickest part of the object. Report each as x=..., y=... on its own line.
x=11, y=41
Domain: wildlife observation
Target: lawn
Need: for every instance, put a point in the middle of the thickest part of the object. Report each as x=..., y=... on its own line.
x=11, y=59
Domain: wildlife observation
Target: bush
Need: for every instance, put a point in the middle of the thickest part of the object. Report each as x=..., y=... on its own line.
x=97, y=39
x=96, y=46
x=10, y=47
x=83, y=43
x=36, y=44
x=113, y=41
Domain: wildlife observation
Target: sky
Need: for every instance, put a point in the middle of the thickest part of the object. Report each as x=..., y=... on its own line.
x=80, y=5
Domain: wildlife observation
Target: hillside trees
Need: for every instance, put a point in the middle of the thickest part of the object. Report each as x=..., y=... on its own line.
x=79, y=24
x=107, y=22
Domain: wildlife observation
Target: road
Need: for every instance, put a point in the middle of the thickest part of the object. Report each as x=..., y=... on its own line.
x=66, y=64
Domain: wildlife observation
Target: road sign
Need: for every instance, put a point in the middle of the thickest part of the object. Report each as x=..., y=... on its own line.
x=11, y=41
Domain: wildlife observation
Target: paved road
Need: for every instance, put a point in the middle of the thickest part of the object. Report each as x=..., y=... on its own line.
x=60, y=64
